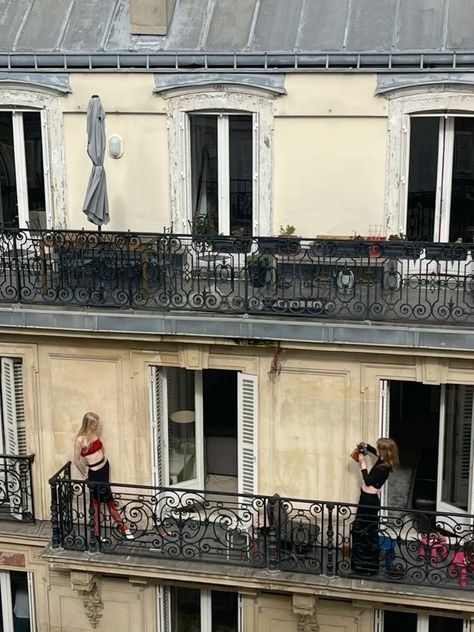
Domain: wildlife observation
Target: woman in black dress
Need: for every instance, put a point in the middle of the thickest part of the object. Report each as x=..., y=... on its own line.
x=365, y=528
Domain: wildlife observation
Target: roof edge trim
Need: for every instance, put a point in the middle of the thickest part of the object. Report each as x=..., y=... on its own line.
x=273, y=83
x=389, y=83
x=58, y=83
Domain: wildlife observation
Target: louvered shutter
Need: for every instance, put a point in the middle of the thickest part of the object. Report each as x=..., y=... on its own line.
x=14, y=429
x=164, y=610
x=247, y=432
x=158, y=425
x=463, y=447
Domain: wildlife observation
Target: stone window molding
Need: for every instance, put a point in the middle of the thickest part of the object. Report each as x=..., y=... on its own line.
x=220, y=98
x=48, y=103
x=403, y=103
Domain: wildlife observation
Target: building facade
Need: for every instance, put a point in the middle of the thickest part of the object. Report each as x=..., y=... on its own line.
x=287, y=271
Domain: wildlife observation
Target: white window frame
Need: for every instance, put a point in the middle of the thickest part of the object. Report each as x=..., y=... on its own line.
x=436, y=101
x=48, y=103
x=226, y=100
x=7, y=600
x=422, y=623
x=247, y=430
x=163, y=601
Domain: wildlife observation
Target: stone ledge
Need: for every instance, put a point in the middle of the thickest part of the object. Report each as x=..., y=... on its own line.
x=370, y=592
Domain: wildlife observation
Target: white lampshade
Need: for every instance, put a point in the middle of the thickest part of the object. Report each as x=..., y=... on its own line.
x=183, y=416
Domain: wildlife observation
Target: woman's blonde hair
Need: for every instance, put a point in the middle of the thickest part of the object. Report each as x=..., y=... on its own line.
x=90, y=421
x=388, y=452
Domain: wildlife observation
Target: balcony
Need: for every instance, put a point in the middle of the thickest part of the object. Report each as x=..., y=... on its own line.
x=16, y=489
x=316, y=538
x=347, y=280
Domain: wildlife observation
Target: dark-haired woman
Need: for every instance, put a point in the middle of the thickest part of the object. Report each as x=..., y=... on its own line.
x=365, y=528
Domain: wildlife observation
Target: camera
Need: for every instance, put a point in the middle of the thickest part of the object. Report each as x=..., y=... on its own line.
x=362, y=447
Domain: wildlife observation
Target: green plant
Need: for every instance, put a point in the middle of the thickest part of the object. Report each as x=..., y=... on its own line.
x=287, y=231
x=397, y=237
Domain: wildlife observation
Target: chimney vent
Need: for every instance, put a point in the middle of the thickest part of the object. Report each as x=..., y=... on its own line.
x=150, y=17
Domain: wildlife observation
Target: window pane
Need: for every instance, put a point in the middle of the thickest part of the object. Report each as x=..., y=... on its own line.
x=445, y=624
x=457, y=445
x=396, y=621
x=204, y=174
x=34, y=169
x=8, y=196
x=185, y=610
x=422, y=178
x=20, y=601
x=181, y=425
x=461, y=224
x=224, y=611
x=241, y=181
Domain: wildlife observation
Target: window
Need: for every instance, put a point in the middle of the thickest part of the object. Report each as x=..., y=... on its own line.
x=221, y=173
x=435, y=471
x=430, y=168
x=441, y=179
x=204, y=429
x=194, y=610
x=22, y=180
x=394, y=621
x=16, y=601
x=221, y=157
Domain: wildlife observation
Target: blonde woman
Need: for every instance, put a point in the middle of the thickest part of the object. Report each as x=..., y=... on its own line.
x=91, y=461
x=365, y=528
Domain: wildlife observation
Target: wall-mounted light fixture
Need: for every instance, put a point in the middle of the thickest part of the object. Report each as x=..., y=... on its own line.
x=115, y=146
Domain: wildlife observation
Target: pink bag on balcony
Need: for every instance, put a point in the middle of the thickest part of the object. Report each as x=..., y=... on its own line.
x=462, y=563
x=433, y=544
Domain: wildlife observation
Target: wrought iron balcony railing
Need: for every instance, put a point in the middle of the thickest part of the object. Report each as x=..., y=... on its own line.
x=267, y=532
x=16, y=488
x=392, y=281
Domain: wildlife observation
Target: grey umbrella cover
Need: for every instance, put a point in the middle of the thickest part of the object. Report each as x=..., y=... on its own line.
x=96, y=204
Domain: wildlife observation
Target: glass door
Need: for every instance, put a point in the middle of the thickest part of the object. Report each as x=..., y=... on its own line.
x=177, y=428
x=455, y=468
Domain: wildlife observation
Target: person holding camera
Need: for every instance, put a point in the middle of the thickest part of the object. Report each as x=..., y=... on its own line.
x=365, y=528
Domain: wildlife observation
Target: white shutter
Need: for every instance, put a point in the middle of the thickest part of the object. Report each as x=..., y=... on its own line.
x=463, y=447
x=163, y=608
x=7, y=602
x=9, y=406
x=240, y=611
x=14, y=429
x=247, y=386
x=384, y=408
x=158, y=425
x=31, y=602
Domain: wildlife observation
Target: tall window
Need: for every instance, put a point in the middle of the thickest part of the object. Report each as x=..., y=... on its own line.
x=194, y=610
x=22, y=182
x=16, y=602
x=221, y=173
x=394, y=621
x=440, y=202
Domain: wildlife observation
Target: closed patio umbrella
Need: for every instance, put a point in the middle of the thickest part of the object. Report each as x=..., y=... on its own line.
x=96, y=204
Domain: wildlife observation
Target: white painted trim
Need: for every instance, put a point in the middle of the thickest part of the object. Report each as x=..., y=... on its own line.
x=436, y=100
x=7, y=602
x=20, y=169
x=223, y=174
x=224, y=99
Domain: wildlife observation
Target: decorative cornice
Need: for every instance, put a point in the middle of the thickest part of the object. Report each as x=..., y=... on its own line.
x=89, y=588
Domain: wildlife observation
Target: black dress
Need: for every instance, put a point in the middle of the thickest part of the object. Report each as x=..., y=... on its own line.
x=365, y=528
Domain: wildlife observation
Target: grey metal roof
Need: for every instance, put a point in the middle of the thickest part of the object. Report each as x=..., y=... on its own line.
x=284, y=26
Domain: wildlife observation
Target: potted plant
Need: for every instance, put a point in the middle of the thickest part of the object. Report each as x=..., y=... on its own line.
x=238, y=242
x=397, y=246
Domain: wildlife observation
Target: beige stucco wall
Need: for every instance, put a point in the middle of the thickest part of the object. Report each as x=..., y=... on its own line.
x=329, y=153
x=137, y=183
x=310, y=417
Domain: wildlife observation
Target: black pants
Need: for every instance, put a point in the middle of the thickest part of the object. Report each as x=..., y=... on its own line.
x=101, y=491
x=365, y=534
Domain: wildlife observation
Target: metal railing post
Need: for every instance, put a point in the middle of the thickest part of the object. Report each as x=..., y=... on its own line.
x=273, y=536
x=330, y=539
x=56, y=538
x=93, y=543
